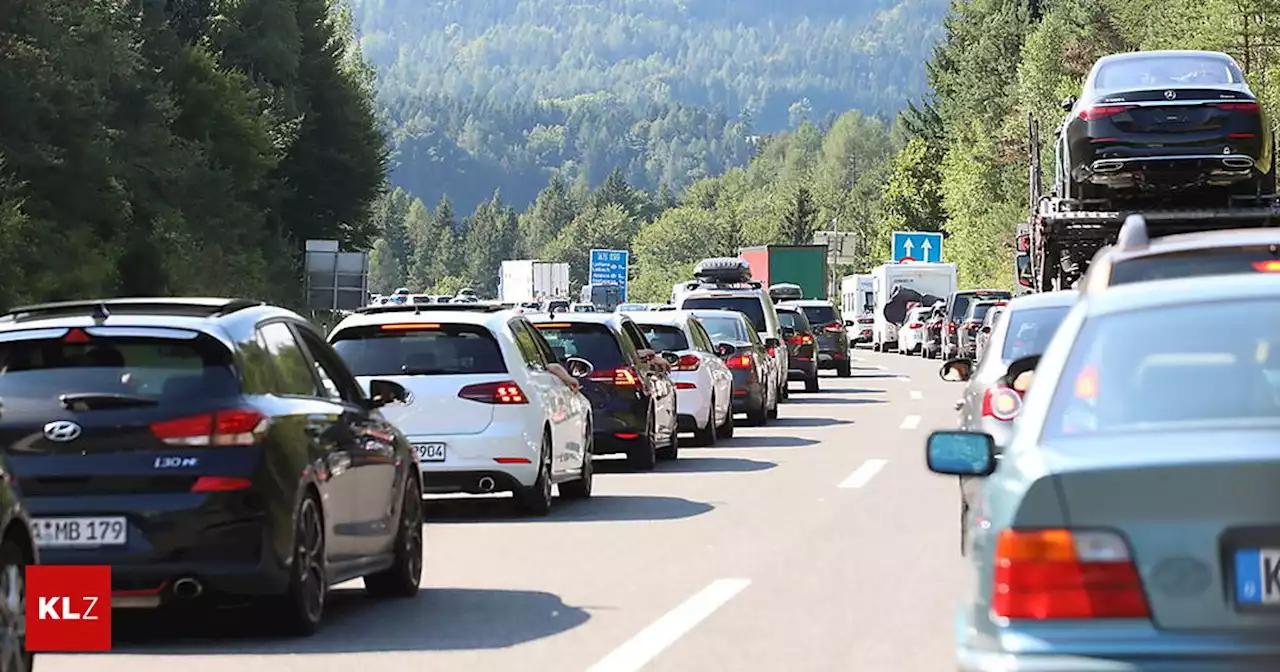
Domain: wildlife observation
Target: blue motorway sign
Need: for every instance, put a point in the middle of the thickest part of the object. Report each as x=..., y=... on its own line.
x=609, y=267
x=917, y=246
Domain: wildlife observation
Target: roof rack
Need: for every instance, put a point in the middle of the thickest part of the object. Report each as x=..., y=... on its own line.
x=432, y=308
x=101, y=309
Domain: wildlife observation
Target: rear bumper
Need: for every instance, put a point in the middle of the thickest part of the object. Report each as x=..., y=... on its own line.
x=802, y=369
x=475, y=482
x=693, y=404
x=467, y=454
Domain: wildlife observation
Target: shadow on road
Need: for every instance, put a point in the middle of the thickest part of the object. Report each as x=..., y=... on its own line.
x=833, y=400
x=809, y=422
x=708, y=465
x=600, y=508
x=766, y=442
x=438, y=619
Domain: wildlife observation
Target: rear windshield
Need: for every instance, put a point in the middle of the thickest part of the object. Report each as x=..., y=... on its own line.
x=725, y=329
x=820, y=315
x=1200, y=263
x=980, y=310
x=1030, y=331
x=962, y=301
x=592, y=342
x=1161, y=71
x=794, y=320
x=167, y=369
x=664, y=338
x=747, y=305
x=558, y=306
x=419, y=350
x=1205, y=364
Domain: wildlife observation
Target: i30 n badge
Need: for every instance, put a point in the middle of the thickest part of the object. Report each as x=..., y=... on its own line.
x=62, y=431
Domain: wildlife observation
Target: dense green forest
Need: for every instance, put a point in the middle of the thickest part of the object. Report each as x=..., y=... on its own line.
x=485, y=94
x=150, y=147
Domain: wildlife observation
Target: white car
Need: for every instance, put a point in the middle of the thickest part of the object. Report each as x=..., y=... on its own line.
x=911, y=335
x=704, y=384
x=485, y=414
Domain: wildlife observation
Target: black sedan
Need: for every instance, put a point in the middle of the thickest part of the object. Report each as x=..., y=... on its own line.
x=754, y=370
x=1164, y=121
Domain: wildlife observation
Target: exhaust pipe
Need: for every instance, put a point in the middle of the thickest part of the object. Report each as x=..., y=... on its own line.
x=1238, y=162
x=187, y=588
x=486, y=484
x=1107, y=165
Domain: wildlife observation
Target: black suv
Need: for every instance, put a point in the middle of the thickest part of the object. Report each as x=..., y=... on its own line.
x=829, y=330
x=633, y=401
x=209, y=451
x=802, y=347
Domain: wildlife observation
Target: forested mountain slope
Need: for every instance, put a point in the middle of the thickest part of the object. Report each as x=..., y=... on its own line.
x=500, y=93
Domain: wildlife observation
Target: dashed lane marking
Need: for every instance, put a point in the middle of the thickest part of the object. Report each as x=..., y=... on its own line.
x=910, y=422
x=863, y=474
x=917, y=395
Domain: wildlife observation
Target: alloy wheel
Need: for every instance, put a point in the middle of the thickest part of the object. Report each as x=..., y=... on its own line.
x=309, y=560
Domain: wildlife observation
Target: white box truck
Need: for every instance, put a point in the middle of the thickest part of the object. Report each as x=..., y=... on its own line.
x=529, y=280
x=920, y=283
x=857, y=304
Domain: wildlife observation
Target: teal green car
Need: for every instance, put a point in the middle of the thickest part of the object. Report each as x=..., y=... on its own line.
x=1132, y=523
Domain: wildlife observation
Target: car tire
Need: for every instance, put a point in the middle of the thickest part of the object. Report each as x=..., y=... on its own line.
x=535, y=500
x=759, y=416
x=404, y=576
x=811, y=383
x=771, y=412
x=844, y=369
x=671, y=451
x=725, y=431
x=13, y=562
x=300, y=610
x=643, y=455
x=580, y=488
x=707, y=435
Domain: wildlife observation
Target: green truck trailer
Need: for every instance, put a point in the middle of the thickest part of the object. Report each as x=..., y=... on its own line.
x=803, y=265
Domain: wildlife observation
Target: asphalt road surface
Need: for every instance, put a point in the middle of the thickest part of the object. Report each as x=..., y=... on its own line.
x=817, y=543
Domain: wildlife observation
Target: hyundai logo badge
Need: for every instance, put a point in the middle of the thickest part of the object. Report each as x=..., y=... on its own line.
x=62, y=431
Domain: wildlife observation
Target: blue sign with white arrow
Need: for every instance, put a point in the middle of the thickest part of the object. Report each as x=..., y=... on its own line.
x=923, y=246
x=609, y=267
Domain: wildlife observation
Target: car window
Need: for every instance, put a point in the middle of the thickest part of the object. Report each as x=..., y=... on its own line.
x=701, y=339
x=1166, y=71
x=724, y=329
x=749, y=305
x=595, y=343
x=294, y=374
x=544, y=348
x=794, y=319
x=665, y=338
x=1030, y=330
x=335, y=378
x=635, y=337
x=820, y=315
x=170, y=370
x=979, y=311
x=527, y=345
x=1192, y=364
x=1195, y=263
x=419, y=350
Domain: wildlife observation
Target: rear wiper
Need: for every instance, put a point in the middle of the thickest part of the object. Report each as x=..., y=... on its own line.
x=95, y=401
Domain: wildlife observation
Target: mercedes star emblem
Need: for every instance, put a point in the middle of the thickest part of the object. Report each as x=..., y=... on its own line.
x=1170, y=95
x=62, y=431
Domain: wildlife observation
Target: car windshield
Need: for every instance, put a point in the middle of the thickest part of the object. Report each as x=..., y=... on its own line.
x=820, y=315
x=793, y=319
x=664, y=338
x=980, y=311
x=167, y=369
x=592, y=342
x=1030, y=330
x=725, y=329
x=962, y=301
x=1164, y=70
x=1196, y=263
x=751, y=306
x=419, y=350
x=1139, y=371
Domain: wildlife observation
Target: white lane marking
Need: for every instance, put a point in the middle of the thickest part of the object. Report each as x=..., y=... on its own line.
x=863, y=474
x=917, y=395
x=910, y=422
x=636, y=652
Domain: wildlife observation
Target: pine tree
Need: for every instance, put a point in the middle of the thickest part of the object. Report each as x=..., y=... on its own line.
x=797, y=226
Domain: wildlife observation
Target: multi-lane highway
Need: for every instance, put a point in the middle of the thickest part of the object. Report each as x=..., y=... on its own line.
x=817, y=543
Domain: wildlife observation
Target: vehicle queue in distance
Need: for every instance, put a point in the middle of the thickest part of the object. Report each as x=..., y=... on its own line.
x=224, y=452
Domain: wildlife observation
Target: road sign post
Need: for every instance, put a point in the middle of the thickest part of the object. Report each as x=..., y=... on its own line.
x=609, y=267
x=923, y=246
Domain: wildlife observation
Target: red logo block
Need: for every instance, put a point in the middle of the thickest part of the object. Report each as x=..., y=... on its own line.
x=68, y=608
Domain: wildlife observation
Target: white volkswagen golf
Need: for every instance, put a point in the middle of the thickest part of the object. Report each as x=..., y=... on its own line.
x=704, y=384
x=491, y=410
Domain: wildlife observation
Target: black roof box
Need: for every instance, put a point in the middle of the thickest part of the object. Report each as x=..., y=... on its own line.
x=786, y=291
x=723, y=270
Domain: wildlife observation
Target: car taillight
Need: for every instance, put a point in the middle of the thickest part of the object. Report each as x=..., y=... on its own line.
x=834, y=328
x=1103, y=111
x=1238, y=107
x=1001, y=403
x=915, y=325
x=1272, y=266
x=504, y=392
x=238, y=427
x=772, y=351
x=1065, y=574
x=686, y=386
x=800, y=339
x=688, y=363
x=621, y=377
x=951, y=327
x=739, y=362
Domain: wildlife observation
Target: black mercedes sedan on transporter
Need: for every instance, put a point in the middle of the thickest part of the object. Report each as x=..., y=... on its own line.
x=633, y=401
x=209, y=451
x=754, y=368
x=1164, y=121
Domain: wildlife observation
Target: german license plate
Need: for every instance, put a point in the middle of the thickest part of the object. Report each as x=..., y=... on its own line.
x=79, y=532
x=1258, y=576
x=429, y=452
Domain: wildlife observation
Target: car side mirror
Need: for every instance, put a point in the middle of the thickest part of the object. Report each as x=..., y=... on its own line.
x=384, y=392
x=1068, y=103
x=772, y=343
x=725, y=350
x=961, y=453
x=956, y=370
x=578, y=367
x=671, y=358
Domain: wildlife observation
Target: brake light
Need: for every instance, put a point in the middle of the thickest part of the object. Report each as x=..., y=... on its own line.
x=739, y=362
x=220, y=484
x=834, y=328
x=1102, y=112
x=800, y=339
x=623, y=377
x=1001, y=403
x=1238, y=107
x=915, y=325
x=409, y=327
x=1272, y=266
x=1065, y=574
x=76, y=337
x=239, y=427
x=505, y=392
x=951, y=327
x=688, y=363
